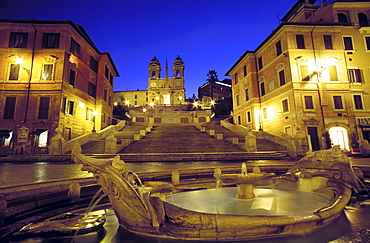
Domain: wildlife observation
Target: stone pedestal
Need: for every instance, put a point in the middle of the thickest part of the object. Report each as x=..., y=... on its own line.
x=245, y=191
x=111, y=144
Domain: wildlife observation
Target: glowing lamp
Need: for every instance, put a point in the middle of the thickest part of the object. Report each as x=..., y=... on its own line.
x=19, y=60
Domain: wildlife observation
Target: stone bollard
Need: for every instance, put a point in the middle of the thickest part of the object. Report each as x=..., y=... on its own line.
x=111, y=144
x=219, y=136
x=3, y=206
x=202, y=129
x=211, y=132
x=142, y=132
x=137, y=136
x=175, y=177
x=148, y=129
x=74, y=191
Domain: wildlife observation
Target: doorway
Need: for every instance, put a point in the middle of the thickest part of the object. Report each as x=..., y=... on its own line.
x=314, y=141
x=339, y=136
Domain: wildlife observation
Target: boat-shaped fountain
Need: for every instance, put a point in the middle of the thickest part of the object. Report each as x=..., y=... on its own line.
x=310, y=195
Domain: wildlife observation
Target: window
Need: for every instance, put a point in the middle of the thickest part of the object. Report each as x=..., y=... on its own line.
x=249, y=117
x=44, y=108
x=75, y=47
x=300, y=42
x=14, y=71
x=285, y=105
x=333, y=73
x=246, y=94
x=71, y=107
x=367, y=40
x=50, y=40
x=106, y=72
x=245, y=70
x=282, y=77
x=328, y=42
x=111, y=79
x=263, y=90
x=239, y=120
x=358, y=102
x=47, y=73
x=354, y=75
x=342, y=18
x=278, y=48
x=237, y=100
x=9, y=108
x=304, y=73
x=260, y=63
x=236, y=78
x=264, y=112
x=348, y=45
x=92, y=90
x=18, y=40
x=89, y=114
x=93, y=64
x=308, y=102
x=338, y=103
x=271, y=85
x=72, y=77
x=42, y=139
x=362, y=20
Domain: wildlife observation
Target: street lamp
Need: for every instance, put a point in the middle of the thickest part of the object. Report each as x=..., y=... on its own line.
x=94, y=113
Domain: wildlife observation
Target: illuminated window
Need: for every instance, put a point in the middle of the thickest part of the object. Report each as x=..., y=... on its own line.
x=14, y=71
x=333, y=73
x=367, y=40
x=342, y=18
x=246, y=94
x=282, y=77
x=44, y=108
x=9, y=108
x=75, y=47
x=328, y=42
x=245, y=70
x=348, y=45
x=42, y=139
x=93, y=64
x=249, y=117
x=304, y=73
x=278, y=48
x=50, y=40
x=308, y=102
x=18, y=40
x=263, y=90
x=47, y=73
x=338, y=103
x=91, y=90
x=260, y=63
x=236, y=78
x=357, y=99
x=72, y=77
x=362, y=20
x=285, y=105
x=354, y=75
x=300, y=42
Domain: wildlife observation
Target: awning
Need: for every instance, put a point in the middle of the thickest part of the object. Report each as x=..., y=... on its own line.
x=5, y=133
x=38, y=132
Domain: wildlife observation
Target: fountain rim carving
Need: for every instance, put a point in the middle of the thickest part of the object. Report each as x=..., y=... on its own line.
x=142, y=209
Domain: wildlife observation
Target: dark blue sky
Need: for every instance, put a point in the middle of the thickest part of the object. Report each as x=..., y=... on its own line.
x=207, y=34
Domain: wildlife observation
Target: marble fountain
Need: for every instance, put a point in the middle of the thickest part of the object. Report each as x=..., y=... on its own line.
x=230, y=207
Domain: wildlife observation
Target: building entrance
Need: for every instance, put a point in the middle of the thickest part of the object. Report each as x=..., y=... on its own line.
x=313, y=138
x=339, y=136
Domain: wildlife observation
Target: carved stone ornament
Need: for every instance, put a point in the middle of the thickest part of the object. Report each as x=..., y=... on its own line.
x=261, y=79
x=50, y=59
x=280, y=66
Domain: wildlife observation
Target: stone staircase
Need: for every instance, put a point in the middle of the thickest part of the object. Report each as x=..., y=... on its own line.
x=168, y=138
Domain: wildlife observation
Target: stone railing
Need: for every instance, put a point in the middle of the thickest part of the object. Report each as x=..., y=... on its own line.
x=293, y=144
x=60, y=146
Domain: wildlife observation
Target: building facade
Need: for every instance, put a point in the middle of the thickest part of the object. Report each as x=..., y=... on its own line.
x=161, y=91
x=310, y=76
x=51, y=76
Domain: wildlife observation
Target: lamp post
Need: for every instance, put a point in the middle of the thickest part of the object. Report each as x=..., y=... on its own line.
x=94, y=113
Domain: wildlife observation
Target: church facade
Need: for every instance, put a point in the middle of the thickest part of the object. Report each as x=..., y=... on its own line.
x=163, y=91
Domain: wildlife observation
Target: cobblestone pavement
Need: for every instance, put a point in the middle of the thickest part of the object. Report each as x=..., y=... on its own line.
x=26, y=173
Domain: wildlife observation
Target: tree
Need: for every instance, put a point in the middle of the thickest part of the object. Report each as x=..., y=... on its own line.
x=212, y=76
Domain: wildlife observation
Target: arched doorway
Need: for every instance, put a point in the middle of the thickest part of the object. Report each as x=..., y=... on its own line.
x=339, y=136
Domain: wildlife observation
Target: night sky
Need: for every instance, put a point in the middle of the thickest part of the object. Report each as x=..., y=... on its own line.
x=207, y=34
